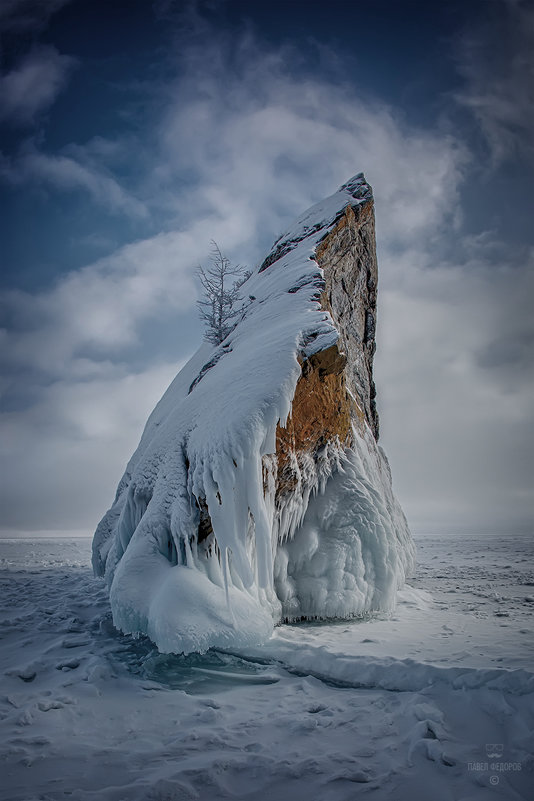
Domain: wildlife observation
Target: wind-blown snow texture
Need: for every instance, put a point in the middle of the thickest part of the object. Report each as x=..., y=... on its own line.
x=388, y=708
x=339, y=547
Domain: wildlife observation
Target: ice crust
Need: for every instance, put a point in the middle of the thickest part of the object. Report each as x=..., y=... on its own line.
x=351, y=552
x=338, y=547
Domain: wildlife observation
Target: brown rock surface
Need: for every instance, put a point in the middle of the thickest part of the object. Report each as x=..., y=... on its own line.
x=336, y=388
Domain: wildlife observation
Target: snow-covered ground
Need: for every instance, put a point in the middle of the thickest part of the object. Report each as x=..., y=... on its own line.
x=436, y=702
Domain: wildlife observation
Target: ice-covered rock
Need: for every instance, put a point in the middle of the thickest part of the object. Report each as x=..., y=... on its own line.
x=258, y=492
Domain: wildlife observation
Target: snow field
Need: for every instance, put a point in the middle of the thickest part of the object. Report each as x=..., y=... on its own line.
x=399, y=706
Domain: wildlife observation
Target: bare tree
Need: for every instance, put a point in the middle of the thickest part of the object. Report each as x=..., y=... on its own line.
x=220, y=305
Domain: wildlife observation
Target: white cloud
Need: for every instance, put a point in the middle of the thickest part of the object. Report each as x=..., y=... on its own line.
x=75, y=171
x=278, y=146
x=62, y=459
x=101, y=306
x=33, y=84
x=66, y=173
x=455, y=425
x=257, y=134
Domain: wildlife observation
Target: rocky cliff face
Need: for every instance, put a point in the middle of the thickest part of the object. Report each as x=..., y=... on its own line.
x=335, y=390
x=258, y=492
x=347, y=256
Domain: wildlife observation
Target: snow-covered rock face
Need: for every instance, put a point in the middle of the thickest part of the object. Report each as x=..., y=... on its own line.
x=258, y=492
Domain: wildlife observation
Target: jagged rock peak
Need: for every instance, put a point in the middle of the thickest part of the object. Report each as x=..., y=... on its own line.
x=320, y=217
x=257, y=492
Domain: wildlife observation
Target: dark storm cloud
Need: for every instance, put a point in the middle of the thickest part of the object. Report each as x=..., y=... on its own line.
x=511, y=354
x=508, y=288
x=497, y=61
x=23, y=15
x=32, y=85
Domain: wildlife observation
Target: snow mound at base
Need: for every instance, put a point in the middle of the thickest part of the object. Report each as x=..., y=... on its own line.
x=349, y=556
x=346, y=560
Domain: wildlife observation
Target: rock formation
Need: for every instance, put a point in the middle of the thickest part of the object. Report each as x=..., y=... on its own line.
x=258, y=492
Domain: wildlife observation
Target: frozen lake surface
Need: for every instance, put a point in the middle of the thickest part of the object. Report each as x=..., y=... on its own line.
x=436, y=701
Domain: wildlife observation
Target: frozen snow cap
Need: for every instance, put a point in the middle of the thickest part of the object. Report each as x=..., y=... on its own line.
x=319, y=218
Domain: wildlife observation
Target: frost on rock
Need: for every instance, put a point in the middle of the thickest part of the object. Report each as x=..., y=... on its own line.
x=258, y=492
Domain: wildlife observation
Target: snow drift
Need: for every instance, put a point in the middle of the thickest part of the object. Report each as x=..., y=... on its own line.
x=258, y=492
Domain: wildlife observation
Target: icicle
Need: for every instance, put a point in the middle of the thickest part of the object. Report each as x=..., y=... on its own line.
x=189, y=561
x=226, y=581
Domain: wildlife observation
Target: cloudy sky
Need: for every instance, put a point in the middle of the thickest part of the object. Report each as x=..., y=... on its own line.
x=133, y=133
